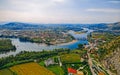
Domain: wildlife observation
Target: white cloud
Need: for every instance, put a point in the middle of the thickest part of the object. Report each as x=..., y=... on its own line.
x=104, y=10
x=60, y=1
x=53, y=11
x=115, y=2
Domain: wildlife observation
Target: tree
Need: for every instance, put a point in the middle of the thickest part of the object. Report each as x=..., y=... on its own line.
x=80, y=46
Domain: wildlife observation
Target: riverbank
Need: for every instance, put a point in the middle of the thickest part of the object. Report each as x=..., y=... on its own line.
x=73, y=41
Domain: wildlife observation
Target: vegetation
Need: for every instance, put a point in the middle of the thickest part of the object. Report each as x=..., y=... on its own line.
x=25, y=56
x=80, y=46
x=107, y=50
x=70, y=58
x=19, y=63
x=30, y=69
x=109, y=47
x=56, y=69
x=48, y=37
x=6, y=45
x=6, y=72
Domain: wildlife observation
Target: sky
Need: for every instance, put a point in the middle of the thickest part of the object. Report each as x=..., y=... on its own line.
x=60, y=11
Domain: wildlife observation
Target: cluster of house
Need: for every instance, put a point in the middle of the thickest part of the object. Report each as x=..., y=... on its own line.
x=49, y=61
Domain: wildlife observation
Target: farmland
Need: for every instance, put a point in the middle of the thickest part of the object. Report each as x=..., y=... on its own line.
x=6, y=72
x=30, y=69
x=71, y=57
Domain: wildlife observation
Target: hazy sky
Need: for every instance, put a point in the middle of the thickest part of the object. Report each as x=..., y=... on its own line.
x=60, y=11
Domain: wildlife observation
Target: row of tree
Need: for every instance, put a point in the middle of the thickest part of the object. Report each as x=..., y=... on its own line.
x=25, y=56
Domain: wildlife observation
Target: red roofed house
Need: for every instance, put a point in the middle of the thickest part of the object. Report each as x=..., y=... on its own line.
x=71, y=71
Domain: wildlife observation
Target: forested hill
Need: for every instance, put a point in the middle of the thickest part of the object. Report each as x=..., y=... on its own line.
x=114, y=26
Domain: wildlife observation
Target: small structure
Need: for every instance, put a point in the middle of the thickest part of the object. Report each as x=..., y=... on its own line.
x=60, y=63
x=80, y=73
x=72, y=71
x=82, y=59
x=49, y=61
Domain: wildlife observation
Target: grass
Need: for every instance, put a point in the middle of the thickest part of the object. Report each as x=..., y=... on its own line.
x=56, y=69
x=70, y=58
x=31, y=69
x=6, y=72
x=42, y=63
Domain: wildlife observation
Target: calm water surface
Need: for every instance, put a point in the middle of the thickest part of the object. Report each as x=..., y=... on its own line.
x=28, y=46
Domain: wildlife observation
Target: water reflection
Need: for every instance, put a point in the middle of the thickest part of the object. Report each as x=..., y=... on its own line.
x=28, y=46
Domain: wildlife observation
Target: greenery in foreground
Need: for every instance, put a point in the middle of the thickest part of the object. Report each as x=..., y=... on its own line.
x=25, y=57
x=6, y=45
x=6, y=72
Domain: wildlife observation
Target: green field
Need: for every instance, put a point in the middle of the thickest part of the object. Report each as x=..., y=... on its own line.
x=5, y=72
x=42, y=63
x=72, y=57
x=56, y=69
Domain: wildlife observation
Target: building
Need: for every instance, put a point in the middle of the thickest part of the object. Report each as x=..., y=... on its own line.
x=49, y=61
x=72, y=71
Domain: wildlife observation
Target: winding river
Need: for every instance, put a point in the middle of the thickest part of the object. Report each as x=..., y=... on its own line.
x=28, y=46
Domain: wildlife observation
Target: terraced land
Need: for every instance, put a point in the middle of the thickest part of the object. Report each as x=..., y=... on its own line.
x=31, y=69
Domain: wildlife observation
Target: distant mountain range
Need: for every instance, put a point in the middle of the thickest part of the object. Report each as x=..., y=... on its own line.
x=26, y=26
x=20, y=26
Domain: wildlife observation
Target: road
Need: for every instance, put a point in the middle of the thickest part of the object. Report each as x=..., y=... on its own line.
x=90, y=60
x=90, y=63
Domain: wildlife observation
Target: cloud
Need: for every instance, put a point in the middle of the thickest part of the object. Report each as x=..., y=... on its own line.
x=59, y=1
x=115, y=2
x=104, y=10
x=57, y=11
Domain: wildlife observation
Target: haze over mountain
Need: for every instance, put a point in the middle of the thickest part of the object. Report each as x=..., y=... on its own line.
x=100, y=26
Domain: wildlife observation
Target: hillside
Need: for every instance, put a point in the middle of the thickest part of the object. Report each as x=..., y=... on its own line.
x=110, y=55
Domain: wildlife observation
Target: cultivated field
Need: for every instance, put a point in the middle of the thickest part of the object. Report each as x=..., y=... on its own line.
x=31, y=69
x=72, y=57
x=6, y=72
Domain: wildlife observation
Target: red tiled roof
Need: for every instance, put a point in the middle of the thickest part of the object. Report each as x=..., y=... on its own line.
x=70, y=70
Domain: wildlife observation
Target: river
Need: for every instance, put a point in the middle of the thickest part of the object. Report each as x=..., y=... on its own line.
x=28, y=46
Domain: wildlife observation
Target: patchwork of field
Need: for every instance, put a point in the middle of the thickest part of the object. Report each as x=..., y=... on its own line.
x=72, y=57
x=6, y=72
x=31, y=69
